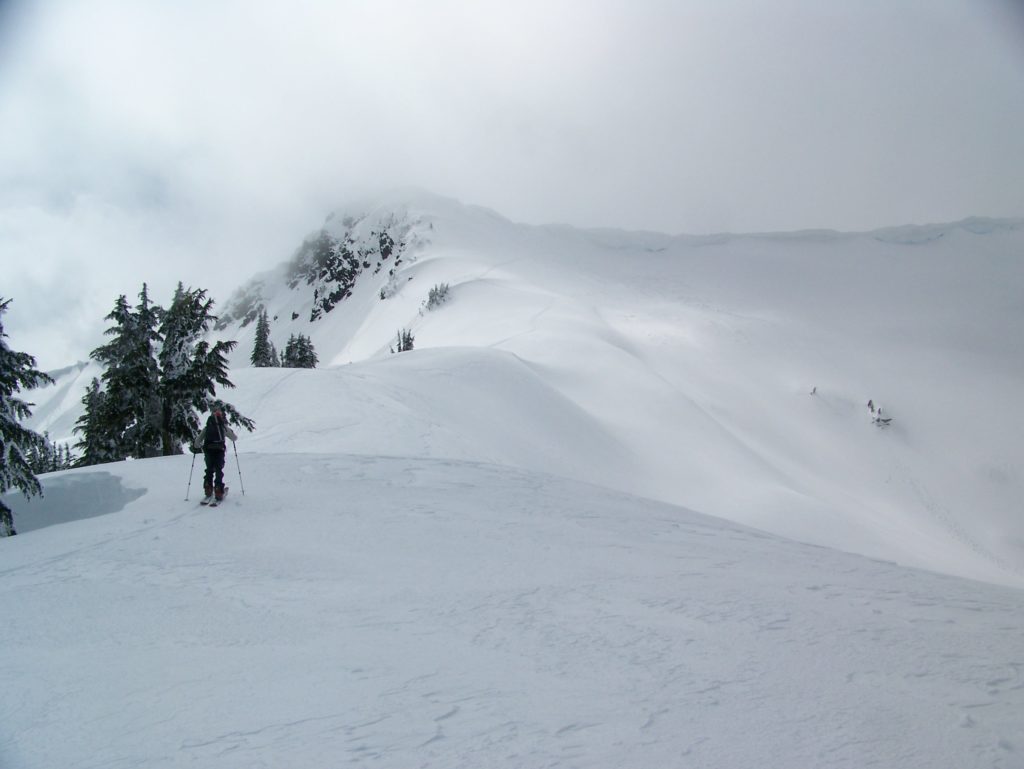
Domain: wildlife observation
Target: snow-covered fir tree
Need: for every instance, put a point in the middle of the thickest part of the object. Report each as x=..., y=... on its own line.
x=437, y=296
x=405, y=340
x=131, y=414
x=209, y=369
x=17, y=372
x=263, y=352
x=299, y=353
x=183, y=324
x=99, y=443
x=49, y=457
x=190, y=369
x=148, y=405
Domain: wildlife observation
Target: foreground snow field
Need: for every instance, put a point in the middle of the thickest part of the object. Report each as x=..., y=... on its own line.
x=408, y=612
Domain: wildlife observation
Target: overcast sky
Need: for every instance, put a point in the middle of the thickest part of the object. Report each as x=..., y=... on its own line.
x=199, y=140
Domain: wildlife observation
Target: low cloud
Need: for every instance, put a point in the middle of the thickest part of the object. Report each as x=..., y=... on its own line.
x=200, y=141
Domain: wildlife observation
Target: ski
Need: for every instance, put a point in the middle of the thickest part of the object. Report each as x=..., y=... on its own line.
x=206, y=500
x=223, y=496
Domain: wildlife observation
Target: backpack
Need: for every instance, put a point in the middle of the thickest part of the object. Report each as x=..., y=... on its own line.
x=213, y=434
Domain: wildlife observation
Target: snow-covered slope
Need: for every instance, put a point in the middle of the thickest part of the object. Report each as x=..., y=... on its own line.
x=417, y=612
x=511, y=546
x=729, y=374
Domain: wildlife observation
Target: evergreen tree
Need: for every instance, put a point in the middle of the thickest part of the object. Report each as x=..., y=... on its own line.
x=17, y=371
x=262, y=351
x=49, y=457
x=40, y=456
x=132, y=413
x=191, y=369
x=209, y=369
x=307, y=353
x=437, y=296
x=148, y=404
x=99, y=443
x=299, y=353
x=288, y=359
x=190, y=384
x=183, y=379
x=405, y=340
x=34, y=456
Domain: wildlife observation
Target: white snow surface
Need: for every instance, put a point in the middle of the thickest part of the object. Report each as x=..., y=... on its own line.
x=623, y=506
x=418, y=612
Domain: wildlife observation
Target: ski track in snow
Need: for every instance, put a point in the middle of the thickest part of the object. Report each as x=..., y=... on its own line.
x=405, y=612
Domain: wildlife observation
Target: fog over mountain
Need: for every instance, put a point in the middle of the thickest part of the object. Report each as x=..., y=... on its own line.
x=199, y=140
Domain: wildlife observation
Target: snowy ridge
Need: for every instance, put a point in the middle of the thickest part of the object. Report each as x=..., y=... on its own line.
x=624, y=505
x=730, y=375
x=721, y=340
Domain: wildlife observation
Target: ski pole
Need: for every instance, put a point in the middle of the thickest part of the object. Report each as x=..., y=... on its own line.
x=190, y=477
x=239, y=466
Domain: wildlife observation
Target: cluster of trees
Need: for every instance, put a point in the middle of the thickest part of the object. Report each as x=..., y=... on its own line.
x=298, y=353
x=437, y=296
x=48, y=457
x=405, y=340
x=17, y=371
x=159, y=375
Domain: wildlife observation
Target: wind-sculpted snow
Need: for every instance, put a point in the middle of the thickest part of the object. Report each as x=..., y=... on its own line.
x=422, y=405
x=411, y=612
x=730, y=374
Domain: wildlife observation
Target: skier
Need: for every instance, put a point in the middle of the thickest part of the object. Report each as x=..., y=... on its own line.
x=214, y=448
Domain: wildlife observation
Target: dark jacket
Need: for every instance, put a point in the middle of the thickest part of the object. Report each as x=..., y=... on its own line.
x=214, y=435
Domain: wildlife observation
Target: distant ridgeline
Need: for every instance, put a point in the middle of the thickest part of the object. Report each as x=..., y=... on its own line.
x=331, y=260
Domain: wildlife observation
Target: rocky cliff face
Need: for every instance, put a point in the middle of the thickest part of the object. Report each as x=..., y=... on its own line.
x=331, y=260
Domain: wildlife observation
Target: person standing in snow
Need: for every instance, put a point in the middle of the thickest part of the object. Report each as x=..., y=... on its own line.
x=215, y=436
